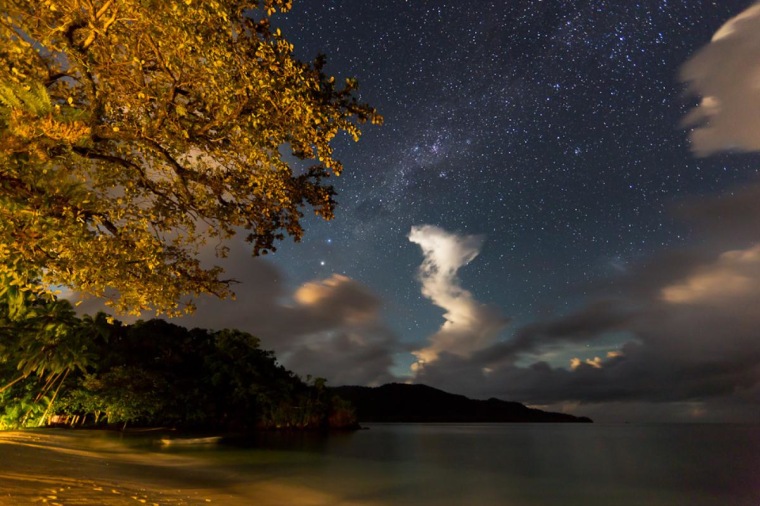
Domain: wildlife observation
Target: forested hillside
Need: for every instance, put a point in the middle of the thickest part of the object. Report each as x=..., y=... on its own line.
x=95, y=371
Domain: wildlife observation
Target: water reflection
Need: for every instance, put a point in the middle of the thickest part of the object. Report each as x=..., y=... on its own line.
x=515, y=464
x=390, y=465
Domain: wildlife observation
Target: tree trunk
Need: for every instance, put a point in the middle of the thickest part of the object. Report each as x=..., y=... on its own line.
x=6, y=387
x=52, y=400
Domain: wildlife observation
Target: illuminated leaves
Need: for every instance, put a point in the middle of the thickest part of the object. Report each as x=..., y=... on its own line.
x=133, y=131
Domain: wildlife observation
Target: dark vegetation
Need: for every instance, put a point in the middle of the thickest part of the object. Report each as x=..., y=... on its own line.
x=59, y=368
x=56, y=367
x=398, y=402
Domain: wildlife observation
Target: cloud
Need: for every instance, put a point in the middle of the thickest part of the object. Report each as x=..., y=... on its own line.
x=681, y=353
x=688, y=335
x=347, y=357
x=335, y=331
x=726, y=74
x=684, y=327
x=469, y=325
x=584, y=325
x=329, y=327
x=340, y=298
x=733, y=276
x=595, y=362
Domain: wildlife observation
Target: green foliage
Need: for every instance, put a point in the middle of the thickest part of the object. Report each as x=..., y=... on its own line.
x=342, y=414
x=132, y=132
x=41, y=343
x=97, y=370
x=157, y=373
x=122, y=394
x=23, y=407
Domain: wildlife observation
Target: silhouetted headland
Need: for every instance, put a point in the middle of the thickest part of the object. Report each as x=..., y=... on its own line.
x=398, y=402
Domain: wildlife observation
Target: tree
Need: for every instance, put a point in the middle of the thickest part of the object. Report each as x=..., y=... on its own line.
x=41, y=343
x=133, y=132
x=160, y=374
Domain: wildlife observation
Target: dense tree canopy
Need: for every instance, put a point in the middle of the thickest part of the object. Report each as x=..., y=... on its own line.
x=94, y=371
x=135, y=131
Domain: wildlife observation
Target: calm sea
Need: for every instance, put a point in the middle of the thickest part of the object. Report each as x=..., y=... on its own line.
x=515, y=464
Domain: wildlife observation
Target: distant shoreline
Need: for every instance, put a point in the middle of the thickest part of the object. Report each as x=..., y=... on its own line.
x=419, y=403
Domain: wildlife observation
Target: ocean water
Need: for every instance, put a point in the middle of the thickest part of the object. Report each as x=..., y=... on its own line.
x=511, y=464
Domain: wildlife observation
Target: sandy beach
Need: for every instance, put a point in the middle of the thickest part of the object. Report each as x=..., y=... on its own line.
x=63, y=467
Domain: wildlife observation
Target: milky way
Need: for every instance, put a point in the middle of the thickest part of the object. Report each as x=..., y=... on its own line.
x=550, y=127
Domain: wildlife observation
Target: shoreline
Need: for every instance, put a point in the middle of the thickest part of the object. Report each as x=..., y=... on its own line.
x=60, y=467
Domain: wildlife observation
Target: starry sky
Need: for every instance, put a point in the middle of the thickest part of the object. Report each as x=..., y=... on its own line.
x=561, y=209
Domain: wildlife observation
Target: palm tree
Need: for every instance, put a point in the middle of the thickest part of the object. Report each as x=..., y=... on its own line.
x=44, y=339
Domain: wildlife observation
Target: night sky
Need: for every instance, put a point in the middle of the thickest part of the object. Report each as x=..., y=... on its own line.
x=535, y=221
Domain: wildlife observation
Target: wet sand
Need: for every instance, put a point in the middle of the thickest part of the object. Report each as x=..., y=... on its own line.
x=61, y=467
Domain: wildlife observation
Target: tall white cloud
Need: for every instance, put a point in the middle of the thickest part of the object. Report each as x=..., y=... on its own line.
x=726, y=75
x=468, y=325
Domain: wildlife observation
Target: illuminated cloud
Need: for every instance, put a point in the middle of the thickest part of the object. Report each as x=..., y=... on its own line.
x=734, y=275
x=596, y=362
x=349, y=343
x=469, y=325
x=339, y=296
x=726, y=75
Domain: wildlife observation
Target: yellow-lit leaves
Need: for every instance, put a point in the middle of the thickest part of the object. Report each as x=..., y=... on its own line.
x=167, y=115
